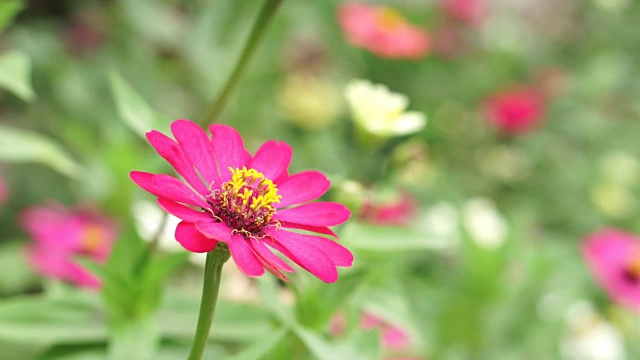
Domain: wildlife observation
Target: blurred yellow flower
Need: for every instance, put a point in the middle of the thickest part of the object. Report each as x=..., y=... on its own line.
x=310, y=102
x=380, y=112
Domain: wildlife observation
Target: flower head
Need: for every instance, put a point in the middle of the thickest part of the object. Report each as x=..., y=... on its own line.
x=516, y=111
x=383, y=31
x=60, y=234
x=380, y=112
x=614, y=258
x=247, y=203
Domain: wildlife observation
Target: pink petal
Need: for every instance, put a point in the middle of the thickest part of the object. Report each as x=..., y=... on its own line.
x=268, y=264
x=262, y=251
x=145, y=181
x=183, y=212
x=197, y=147
x=241, y=252
x=272, y=159
x=170, y=151
x=315, y=214
x=228, y=149
x=318, y=229
x=338, y=254
x=308, y=256
x=174, y=189
x=215, y=230
x=302, y=187
x=191, y=239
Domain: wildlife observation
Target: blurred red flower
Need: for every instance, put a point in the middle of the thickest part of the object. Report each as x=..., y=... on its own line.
x=515, y=111
x=246, y=202
x=399, y=211
x=614, y=258
x=60, y=234
x=470, y=12
x=383, y=31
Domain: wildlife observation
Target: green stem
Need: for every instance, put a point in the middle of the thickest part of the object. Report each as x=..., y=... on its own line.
x=213, y=267
x=267, y=12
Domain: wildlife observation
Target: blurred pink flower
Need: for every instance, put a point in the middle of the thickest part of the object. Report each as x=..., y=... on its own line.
x=470, y=12
x=4, y=193
x=246, y=202
x=82, y=39
x=383, y=31
x=61, y=234
x=614, y=258
x=515, y=111
x=399, y=211
x=392, y=337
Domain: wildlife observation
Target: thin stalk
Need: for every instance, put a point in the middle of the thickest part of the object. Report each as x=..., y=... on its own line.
x=213, y=267
x=267, y=12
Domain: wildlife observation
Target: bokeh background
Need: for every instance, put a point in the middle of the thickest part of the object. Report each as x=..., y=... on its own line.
x=467, y=233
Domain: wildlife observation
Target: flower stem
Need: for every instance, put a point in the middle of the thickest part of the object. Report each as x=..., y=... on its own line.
x=213, y=267
x=267, y=12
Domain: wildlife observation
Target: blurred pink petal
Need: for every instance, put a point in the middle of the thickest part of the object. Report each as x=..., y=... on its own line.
x=470, y=12
x=60, y=234
x=383, y=31
x=392, y=337
x=397, y=212
x=614, y=258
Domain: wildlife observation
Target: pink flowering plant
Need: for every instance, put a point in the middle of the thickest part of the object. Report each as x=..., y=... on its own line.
x=358, y=179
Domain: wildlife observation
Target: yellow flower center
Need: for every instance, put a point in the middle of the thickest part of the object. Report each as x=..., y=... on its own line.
x=245, y=203
x=93, y=238
x=633, y=266
x=388, y=18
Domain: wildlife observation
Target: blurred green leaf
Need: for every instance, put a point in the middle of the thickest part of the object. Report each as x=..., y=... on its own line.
x=13, y=261
x=8, y=11
x=360, y=236
x=74, y=318
x=232, y=322
x=258, y=350
x=360, y=346
x=15, y=75
x=134, y=110
x=17, y=145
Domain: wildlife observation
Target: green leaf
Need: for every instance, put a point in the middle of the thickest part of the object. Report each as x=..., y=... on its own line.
x=18, y=145
x=15, y=75
x=232, y=322
x=258, y=350
x=8, y=11
x=360, y=346
x=359, y=236
x=134, y=110
x=74, y=318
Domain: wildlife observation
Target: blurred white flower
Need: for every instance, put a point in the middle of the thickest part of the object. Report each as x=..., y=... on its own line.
x=148, y=217
x=442, y=221
x=590, y=337
x=310, y=102
x=380, y=112
x=486, y=226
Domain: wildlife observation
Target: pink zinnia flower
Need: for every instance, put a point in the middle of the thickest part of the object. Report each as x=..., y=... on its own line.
x=61, y=234
x=246, y=202
x=392, y=337
x=383, y=31
x=515, y=111
x=614, y=258
x=470, y=12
